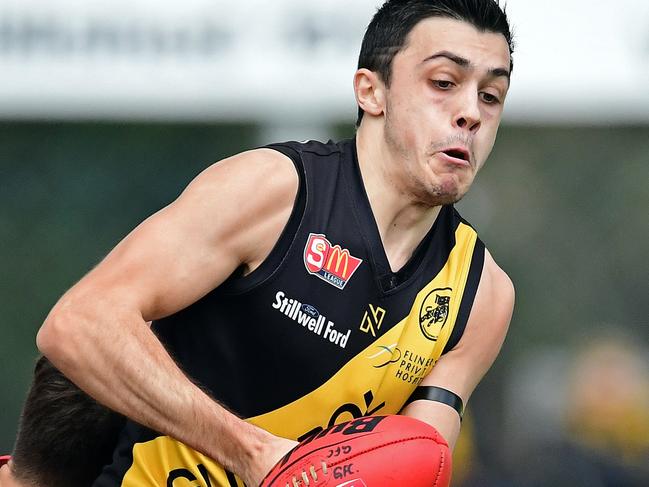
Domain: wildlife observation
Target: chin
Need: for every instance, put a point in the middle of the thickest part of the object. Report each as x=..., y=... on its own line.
x=438, y=198
x=449, y=199
x=446, y=193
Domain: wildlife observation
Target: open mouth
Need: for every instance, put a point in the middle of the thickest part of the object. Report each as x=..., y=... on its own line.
x=457, y=154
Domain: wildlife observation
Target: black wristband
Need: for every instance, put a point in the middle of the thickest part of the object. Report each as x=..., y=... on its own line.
x=438, y=394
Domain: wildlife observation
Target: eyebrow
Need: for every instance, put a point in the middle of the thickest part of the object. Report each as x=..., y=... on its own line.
x=466, y=64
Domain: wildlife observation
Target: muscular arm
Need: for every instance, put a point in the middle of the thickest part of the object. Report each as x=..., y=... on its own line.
x=229, y=216
x=462, y=368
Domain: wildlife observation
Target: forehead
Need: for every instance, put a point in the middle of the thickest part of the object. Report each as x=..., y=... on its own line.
x=485, y=50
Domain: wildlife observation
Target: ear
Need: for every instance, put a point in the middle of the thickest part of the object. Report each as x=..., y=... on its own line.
x=369, y=91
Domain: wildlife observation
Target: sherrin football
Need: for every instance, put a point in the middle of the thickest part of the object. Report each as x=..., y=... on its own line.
x=374, y=451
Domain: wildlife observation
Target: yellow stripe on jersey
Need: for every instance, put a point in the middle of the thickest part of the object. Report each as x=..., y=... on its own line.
x=376, y=381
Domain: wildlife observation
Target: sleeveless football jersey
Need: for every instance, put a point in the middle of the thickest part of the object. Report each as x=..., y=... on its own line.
x=322, y=332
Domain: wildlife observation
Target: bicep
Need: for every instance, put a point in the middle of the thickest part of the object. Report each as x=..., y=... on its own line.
x=185, y=250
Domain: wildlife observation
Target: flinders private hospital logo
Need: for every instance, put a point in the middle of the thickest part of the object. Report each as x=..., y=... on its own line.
x=331, y=263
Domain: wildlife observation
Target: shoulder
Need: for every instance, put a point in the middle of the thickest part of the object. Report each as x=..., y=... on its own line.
x=275, y=168
x=496, y=289
x=492, y=310
x=253, y=169
x=249, y=197
x=495, y=286
x=241, y=189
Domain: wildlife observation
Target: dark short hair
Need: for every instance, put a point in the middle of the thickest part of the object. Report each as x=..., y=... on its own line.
x=388, y=31
x=64, y=436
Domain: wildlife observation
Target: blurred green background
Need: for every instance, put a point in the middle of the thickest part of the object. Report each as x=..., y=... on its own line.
x=563, y=209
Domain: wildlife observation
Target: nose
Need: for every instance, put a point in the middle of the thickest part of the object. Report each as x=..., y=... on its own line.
x=468, y=113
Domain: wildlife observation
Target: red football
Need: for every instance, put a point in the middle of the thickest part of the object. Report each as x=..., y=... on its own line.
x=374, y=451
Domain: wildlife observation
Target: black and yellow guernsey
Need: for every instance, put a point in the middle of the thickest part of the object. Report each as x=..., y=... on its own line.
x=322, y=332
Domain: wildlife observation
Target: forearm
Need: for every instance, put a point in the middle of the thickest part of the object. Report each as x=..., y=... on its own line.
x=442, y=417
x=112, y=354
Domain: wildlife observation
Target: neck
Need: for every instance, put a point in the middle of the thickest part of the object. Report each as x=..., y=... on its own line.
x=402, y=219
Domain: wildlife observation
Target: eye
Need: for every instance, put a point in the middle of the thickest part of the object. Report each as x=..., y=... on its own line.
x=442, y=84
x=489, y=98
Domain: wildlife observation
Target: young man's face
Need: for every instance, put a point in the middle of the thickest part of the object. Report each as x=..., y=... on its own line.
x=444, y=105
